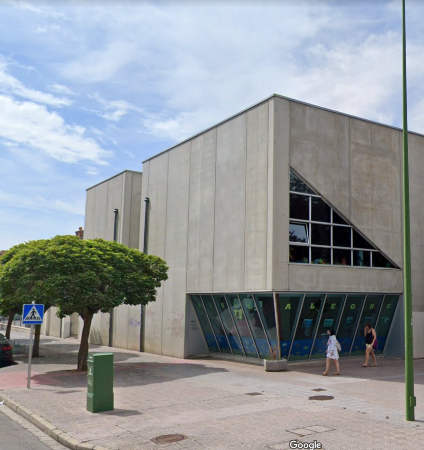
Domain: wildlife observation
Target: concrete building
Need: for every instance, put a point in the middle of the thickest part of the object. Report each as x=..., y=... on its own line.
x=277, y=223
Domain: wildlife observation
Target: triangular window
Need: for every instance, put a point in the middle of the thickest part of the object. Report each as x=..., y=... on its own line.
x=319, y=234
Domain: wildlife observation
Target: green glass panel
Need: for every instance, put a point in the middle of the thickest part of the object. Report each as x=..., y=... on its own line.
x=385, y=320
x=216, y=323
x=204, y=323
x=229, y=324
x=369, y=315
x=289, y=306
x=329, y=320
x=306, y=327
x=242, y=326
x=348, y=322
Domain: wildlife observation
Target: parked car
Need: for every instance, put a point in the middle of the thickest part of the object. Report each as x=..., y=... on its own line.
x=6, y=352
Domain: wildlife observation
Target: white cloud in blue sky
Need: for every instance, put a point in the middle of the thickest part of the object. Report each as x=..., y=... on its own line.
x=88, y=89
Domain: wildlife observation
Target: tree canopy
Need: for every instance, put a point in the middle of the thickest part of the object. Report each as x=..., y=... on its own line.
x=80, y=276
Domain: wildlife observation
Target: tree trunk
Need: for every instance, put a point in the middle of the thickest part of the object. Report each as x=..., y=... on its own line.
x=9, y=324
x=36, y=348
x=83, y=350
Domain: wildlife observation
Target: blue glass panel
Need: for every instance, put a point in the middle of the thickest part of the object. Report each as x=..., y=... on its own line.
x=329, y=320
x=349, y=321
x=289, y=306
x=216, y=323
x=242, y=326
x=385, y=320
x=229, y=324
x=204, y=323
x=369, y=315
x=255, y=324
x=265, y=304
x=306, y=327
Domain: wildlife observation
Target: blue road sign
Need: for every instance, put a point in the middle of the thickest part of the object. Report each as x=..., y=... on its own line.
x=33, y=314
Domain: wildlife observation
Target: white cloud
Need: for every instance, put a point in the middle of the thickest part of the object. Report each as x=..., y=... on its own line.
x=40, y=203
x=113, y=110
x=11, y=85
x=32, y=125
x=60, y=89
x=25, y=6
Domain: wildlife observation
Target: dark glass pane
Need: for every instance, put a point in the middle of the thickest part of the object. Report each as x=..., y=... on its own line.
x=242, y=326
x=320, y=211
x=216, y=323
x=385, y=320
x=320, y=234
x=298, y=232
x=378, y=260
x=299, y=254
x=348, y=322
x=229, y=324
x=342, y=237
x=338, y=219
x=369, y=315
x=329, y=320
x=296, y=184
x=265, y=303
x=320, y=255
x=204, y=323
x=305, y=332
x=254, y=320
x=359, y=241
x=289, y=305
x=299, y=206
x=361, y=258
x=341, y=257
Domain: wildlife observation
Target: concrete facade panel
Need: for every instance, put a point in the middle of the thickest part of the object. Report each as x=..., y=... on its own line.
x=174, y=292
x=201, y=213
x=256, y=197
x=280, y=201
x=344, y=279
x=157, y=192
x=230, y=205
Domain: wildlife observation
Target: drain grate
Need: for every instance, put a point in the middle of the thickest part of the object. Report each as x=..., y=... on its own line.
x=252, y=394
x=321, y=397
x=168, y=438
x=319, y=390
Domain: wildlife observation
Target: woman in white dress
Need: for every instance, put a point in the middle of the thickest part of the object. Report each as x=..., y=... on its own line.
x=332, y=353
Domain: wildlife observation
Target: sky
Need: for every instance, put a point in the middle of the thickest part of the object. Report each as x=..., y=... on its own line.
x=89, y=89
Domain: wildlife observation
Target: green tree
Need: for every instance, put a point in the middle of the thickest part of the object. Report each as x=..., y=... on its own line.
x=19, y=284
x=85, y=277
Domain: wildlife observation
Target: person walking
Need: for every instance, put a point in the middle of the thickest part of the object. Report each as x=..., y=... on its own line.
x=333, y=348
x=370, y=344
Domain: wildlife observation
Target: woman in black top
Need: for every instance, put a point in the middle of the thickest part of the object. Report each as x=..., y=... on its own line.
x=370, y=338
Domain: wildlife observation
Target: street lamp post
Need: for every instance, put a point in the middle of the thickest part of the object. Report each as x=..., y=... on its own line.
x=410, y=400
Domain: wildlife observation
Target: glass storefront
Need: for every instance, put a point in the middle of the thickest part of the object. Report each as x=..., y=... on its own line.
x=251, y=324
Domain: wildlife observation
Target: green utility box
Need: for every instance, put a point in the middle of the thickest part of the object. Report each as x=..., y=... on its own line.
x=100, y=382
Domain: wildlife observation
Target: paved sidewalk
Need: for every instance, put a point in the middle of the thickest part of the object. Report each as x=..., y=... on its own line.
x=221, y=404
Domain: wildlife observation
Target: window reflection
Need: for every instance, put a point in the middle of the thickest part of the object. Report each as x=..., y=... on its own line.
x=229, y=324
x=385, y=320
x=204, y=323
x=369, y=315
x=255, y=324
x=216, y=323
x=305, y=332
x=329, y=319
x=289, y=306
x=242, y=326
x=348, y=322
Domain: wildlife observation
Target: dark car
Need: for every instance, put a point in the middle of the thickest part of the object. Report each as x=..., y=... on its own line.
x=6, y=352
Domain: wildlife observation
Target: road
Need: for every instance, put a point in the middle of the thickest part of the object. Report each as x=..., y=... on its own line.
x=18, y=434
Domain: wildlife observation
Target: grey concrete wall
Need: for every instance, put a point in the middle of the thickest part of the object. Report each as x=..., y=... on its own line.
x=209, y=221
x=356, y=166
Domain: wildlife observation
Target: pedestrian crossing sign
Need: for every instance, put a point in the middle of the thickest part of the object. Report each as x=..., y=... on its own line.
x=33, y=314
